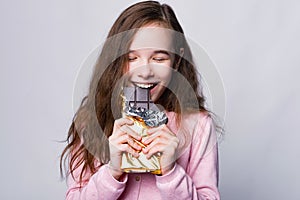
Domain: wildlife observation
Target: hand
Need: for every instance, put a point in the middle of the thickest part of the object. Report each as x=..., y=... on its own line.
x=162, y=139
x=121, y=140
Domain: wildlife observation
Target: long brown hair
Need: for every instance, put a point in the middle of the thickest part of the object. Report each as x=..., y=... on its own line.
x=93, y=123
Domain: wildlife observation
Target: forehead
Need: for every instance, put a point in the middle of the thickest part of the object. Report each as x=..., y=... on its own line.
x=152, y=37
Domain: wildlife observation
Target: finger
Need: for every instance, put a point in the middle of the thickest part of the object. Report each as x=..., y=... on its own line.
x=154, y=150
x=169, y=143
x=155, y=129
x=134, y=144
x=140, y=143
x=131, y=132
x=161, y=133
x=128, y=149
x=147, y=140
x=125, y=139
x=123, y=121
x=118, y=140
x=160, y=147
x=152, y=144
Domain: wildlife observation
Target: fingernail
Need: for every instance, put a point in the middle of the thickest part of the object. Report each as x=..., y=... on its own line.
x=138, y=137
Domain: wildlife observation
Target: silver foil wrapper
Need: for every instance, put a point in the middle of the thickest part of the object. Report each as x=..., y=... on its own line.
x=151, y=118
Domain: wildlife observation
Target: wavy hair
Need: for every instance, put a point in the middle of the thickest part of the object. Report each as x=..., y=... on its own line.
x=87, y=140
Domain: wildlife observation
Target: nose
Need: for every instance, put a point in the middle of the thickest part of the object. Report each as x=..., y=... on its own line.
x=145, y=71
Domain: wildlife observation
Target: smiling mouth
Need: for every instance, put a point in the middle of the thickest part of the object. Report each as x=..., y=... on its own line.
x=145, y=85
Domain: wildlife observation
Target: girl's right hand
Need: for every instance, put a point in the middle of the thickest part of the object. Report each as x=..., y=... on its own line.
x=121, y=140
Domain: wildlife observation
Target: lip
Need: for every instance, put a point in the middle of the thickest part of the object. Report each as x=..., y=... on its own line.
x=153, y=89
x=145, y=85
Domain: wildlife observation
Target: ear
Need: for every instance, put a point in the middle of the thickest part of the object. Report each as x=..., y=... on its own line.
x=181, y=51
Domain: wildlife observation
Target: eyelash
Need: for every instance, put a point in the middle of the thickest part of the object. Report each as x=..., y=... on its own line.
x=159, y=59
x=131, y=58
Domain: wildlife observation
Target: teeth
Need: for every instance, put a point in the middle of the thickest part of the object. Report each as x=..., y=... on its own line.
x=141, y=85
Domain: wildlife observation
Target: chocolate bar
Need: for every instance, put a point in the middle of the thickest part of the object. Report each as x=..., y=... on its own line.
x=138, y=106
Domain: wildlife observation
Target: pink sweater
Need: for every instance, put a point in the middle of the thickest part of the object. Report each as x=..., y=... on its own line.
x=194, y=176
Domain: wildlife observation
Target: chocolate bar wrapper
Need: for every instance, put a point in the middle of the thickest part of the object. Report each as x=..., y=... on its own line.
x=141, y=164
x=138, y=107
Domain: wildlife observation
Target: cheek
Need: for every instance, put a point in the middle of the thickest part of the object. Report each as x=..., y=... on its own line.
x=131, y=67
x=164, y=73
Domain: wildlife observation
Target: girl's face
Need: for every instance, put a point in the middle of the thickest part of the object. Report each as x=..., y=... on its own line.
x=149, y=59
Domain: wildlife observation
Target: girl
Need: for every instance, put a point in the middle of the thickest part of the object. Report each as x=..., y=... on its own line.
x=147, y=47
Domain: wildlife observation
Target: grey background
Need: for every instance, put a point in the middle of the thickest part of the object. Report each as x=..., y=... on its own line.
x=254, y=44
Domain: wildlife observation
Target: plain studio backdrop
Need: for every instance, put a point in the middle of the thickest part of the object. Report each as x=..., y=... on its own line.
x=254, y=45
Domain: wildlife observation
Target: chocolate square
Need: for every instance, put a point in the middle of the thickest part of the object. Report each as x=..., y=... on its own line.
x=138, y=97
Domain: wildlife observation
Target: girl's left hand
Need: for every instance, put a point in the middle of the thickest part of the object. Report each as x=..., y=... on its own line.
x=162, y=139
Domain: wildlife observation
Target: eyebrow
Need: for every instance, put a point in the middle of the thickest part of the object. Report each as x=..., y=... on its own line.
x=162, y=51
x=155, y=52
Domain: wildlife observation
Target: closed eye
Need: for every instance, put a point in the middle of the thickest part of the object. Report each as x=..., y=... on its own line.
x=161, y=56
x=159, y=59
x=132, y=58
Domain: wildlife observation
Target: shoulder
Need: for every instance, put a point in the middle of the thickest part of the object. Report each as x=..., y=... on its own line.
x=200, y=127
x=197, y=119
x=198, y=115
x=193, y=116
x=196, y=122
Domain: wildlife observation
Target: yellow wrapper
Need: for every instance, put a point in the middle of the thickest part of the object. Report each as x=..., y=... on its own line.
x=141, y=164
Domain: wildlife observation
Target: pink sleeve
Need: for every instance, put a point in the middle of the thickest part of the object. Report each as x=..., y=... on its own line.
x=101, y=185
x=200, y=180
